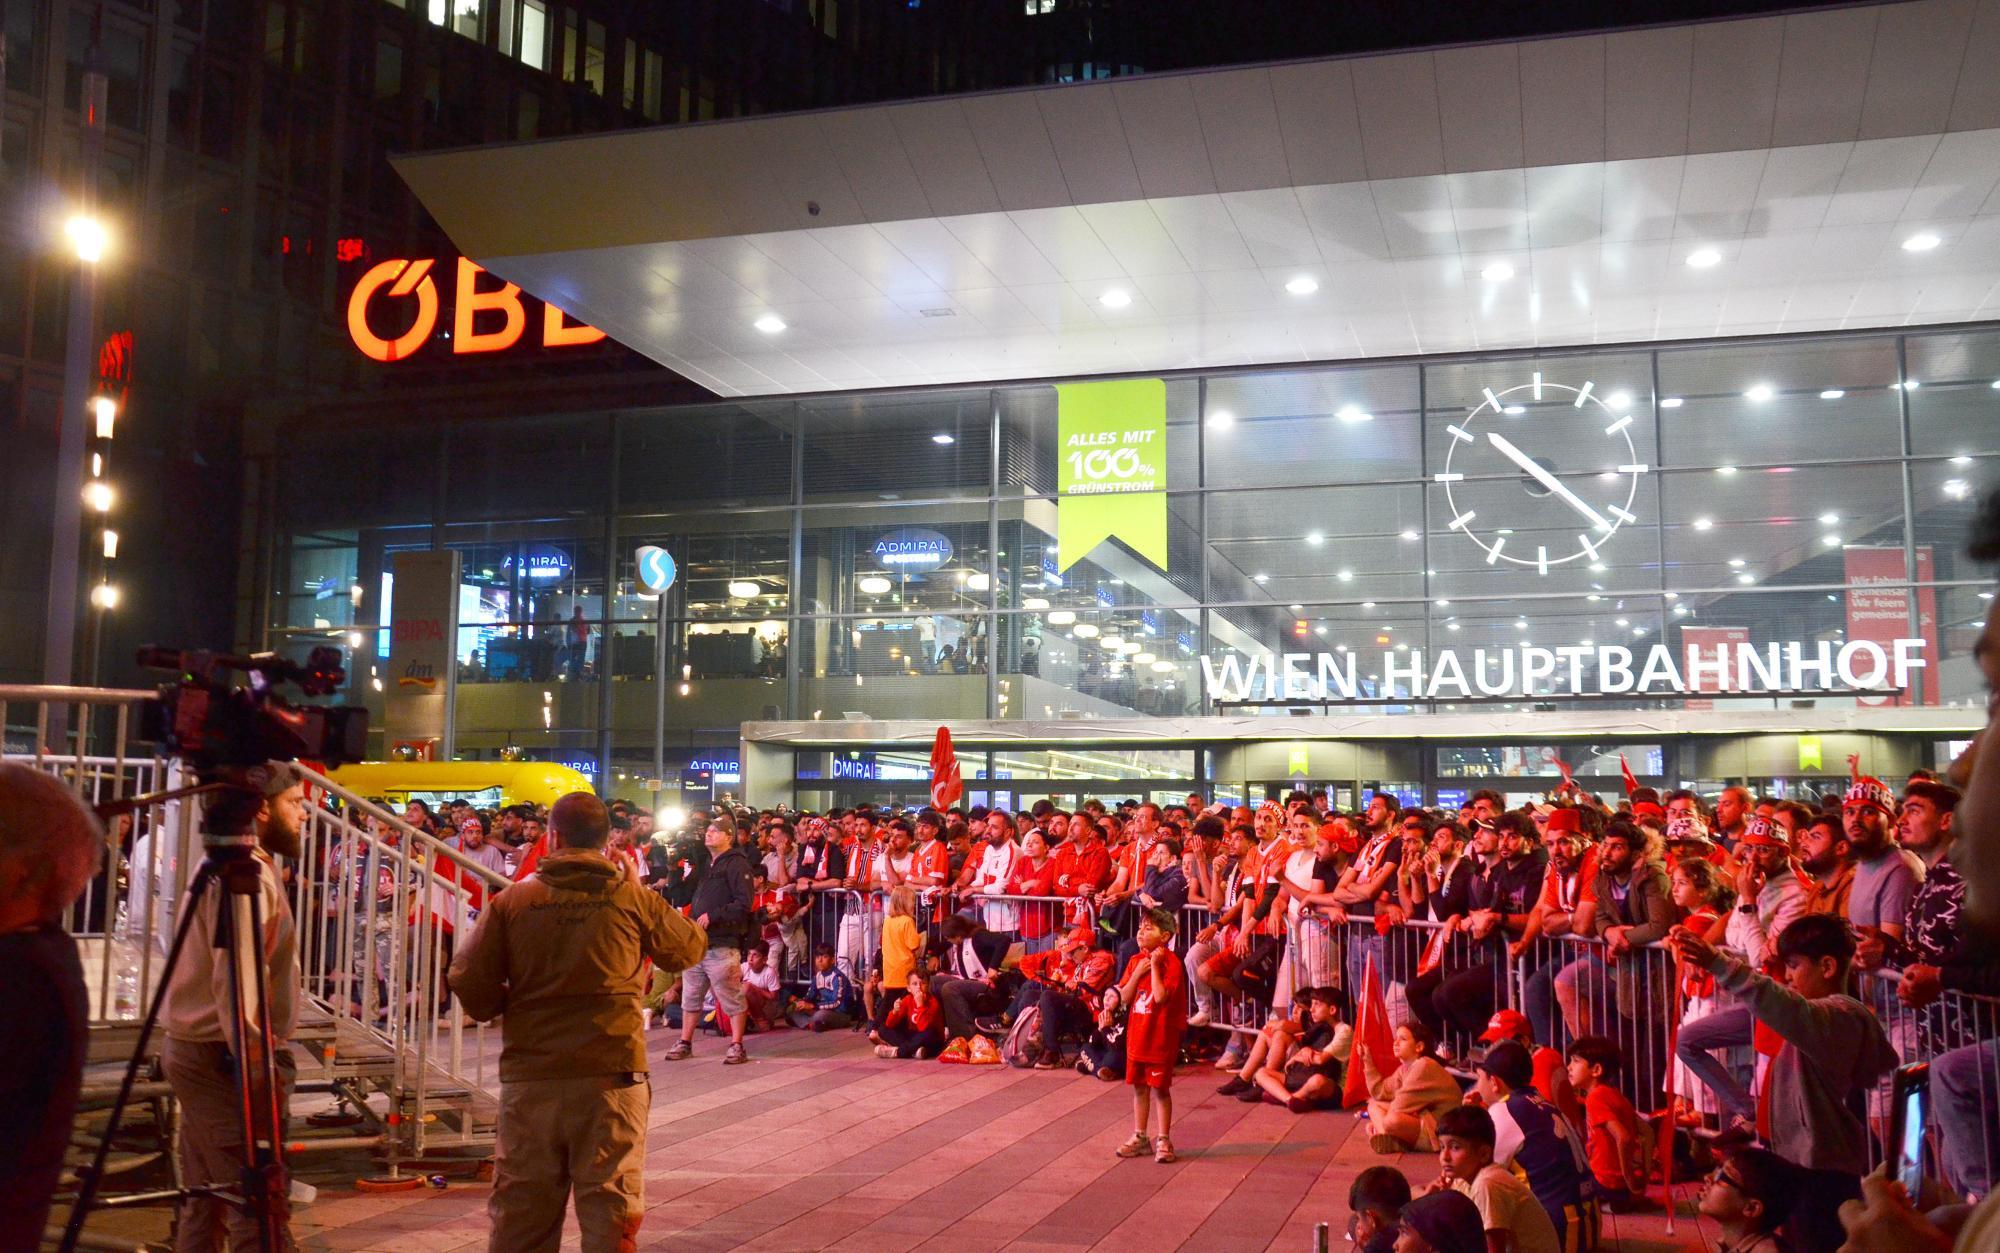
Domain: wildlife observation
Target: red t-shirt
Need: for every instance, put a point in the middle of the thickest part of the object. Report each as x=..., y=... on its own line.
x=1153, y=1030
x=1603, y=1106
x=1549, y=1070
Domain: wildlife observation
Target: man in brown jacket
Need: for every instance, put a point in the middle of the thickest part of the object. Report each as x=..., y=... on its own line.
x=561, y=954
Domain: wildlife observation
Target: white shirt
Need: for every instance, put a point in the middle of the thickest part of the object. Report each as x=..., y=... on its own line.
x=1755, y=935
x=1506, y=1204
x=1299, y=873
x=996, y=867
x=199, y=995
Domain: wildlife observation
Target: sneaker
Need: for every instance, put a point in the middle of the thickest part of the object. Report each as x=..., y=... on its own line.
x=645, y=1020
x=1200, y=1018
x=1163, y=1151
x=1298, y=1104
x=1047, y=1061
x=1387, y=1144
x=991, y=1026
x=736, y=1056
x=885, y=1052
x=681, y=1051
x=1231, y=1059
x=1251, y=1094
x=1237, y=1083
x=1137, y=1146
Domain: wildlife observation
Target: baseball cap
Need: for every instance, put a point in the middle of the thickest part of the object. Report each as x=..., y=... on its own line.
x=1687, y=831
x=1759, y=833
x=1504, y=1025
x=1448, y=1221
x=1509, y=1062
x=1865, y=792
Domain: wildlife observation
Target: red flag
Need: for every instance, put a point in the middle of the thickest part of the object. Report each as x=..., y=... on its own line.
x=1374, y=1055
x=1433, y=954
x=1631, y=780
x=947, y=784
x=1569, y=778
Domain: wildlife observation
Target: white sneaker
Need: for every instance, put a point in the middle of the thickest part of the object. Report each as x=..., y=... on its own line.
x=1199, y=1018
x=645, y=1020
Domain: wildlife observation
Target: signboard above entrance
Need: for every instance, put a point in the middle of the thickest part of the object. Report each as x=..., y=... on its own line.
x=413, y=292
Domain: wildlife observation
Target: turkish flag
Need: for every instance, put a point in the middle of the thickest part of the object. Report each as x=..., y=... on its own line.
x=1631, y=780
x=947, y=785
x=1374, y=1055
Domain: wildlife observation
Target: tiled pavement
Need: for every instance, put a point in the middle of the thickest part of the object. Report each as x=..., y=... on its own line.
x=817, y=1145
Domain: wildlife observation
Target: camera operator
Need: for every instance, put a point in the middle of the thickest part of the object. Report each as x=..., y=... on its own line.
x=200, y=1068
x=49, y=846
x=562, y=954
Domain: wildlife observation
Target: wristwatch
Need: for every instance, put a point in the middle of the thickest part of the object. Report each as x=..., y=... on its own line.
x=1746, y=909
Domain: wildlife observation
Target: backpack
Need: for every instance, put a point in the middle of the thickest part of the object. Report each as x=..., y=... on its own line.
x=1023, y=1045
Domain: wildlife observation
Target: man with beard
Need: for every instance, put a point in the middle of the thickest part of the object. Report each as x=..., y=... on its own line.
x=1570, y=881
x=1630, y=908
x=1732, y=809
x=198, y=1060
x=1369, y=882
x=1884, y=882
x=1828, y=873
x=1934, y=922
x=987, y=873
x=1502, y=899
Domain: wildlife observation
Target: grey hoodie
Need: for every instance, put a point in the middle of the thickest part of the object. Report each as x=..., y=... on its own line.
x=1834, y=1052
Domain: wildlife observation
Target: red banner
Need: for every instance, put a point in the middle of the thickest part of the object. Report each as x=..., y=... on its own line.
x=1878, y=609
x=947, y=783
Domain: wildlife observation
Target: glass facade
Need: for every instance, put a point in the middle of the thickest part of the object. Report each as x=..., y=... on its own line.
x=894, y=555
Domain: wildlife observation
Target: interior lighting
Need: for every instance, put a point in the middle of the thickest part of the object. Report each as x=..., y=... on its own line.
x=770, y=324
x=110, y=545
x=1515, y=411
x=1112, y=640
x=1143, y=659
x=1907, y=385
x=354, y=639
x=1831, y=541
x=1961, y=460
x=1260, y=578
x=1737, y=563
x=1221, y=420
x=87, y=236
x=1297, y=608
x=1703, y=258
x=1746, y=578
x=1497, y=272
x=1034, y=602
x=98, y=495
x=1345, y=576
x=1828, y=519
x=1619, y=401
x=1353, y=415
x=104, y=596
x=1672, y=402
x=1833, y=393
x=1316, y=538
x=1638, y=630
x=1115, y=298
x=1084, y=631
x=743, y=589
x=1922, y=241
x=1367, y=604
x=942, y=438
x=1703, y=524
x=874, y=585
x=1410, y=536
x=105, y=410
x=1725, y=471
x=1061, y=617
x=1163, y=667
x=978, y=581
x=1451, y=626
x=1302, y=285
x=1760, y=392
x=1624, y=622
x=1957, y=489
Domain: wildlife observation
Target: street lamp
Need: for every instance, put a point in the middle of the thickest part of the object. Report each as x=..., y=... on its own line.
x=106, y=411
x=87, y=236
x=104, y=596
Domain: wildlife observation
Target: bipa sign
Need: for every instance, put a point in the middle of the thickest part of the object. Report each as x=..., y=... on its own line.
x=481, y=321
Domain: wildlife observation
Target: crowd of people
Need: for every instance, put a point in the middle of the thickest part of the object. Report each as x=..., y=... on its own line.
x=1713, y=1005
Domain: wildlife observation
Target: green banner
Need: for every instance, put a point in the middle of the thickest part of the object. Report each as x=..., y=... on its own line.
x=1811, y=754
x=1111, y=468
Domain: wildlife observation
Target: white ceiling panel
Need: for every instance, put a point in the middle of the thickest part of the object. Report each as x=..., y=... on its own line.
x=1163, y=131
x=1479, y=106
x=1396, y=97
x=1205, y=232
x=1134, y=237
x=1733, y=84
x=1241, y=132
x=1825, y=53
x=1273, y=226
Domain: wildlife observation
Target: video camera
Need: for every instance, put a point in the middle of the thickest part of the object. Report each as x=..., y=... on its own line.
x=213, y=724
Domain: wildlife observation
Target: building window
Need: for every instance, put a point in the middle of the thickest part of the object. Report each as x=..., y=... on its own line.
x=535, y=34
x=655, y=85
x=570, y=42
x=628, y=85
x=1038, y=7
x=593, y=56
x=388, y=69
x=465, y=18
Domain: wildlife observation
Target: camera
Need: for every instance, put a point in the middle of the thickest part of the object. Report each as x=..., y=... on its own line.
x=214, y=724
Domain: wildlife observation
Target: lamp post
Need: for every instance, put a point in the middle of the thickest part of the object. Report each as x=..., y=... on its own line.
x=87, y=239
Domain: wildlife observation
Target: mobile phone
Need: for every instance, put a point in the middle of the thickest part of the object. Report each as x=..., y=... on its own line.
x=1909, y=1120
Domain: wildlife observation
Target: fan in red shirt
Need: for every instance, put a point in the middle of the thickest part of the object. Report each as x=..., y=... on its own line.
x=1155, y=987
x=1083, y=864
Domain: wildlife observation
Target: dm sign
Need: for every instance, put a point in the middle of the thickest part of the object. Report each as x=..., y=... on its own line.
x=1111, y=468
x=912, y=548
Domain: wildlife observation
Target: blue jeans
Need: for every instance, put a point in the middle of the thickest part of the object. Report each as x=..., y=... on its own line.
x=1538, y=999
x=1728, y=1028
x=1363, y=944
x=1964, y=1085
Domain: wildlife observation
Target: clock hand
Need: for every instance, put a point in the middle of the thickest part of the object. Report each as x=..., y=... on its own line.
x=1546, y=479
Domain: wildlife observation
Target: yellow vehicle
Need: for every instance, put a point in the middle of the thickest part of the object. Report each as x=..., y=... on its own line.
x=484, y=783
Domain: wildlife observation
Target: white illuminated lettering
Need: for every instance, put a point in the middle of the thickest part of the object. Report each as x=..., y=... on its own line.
x=1698, y=665
x=1796, y=666
x=1412, y=674
x=1907, y=660
x=1770, y=670
x=1614, y=669
x=1447, y=670
x=1660, y=668
x=1878, y=664
x=1232, y=683
x=1506, y=684
x=1296, y=683
x=1333, y=678
x=1536, y=664
x=1575, y=654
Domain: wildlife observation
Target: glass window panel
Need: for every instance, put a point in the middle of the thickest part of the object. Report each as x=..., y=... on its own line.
x=528, y=467
x=1110, y=764
x=1955, y=410
x=894, y=666
x=729, y=454
x=1947, y=495
x=534, y=34
x=593, y=56
x=1774, y=403
x=1327, y=543
x=1779, y=525
x=1111, y=663
x=892, y=561
x=1246, y=647
x=1108, y=575
x=888, y=448
x=1546, y=761
x=1028, y=430
x=1764, y=617
x=1325, y=426
x=735, y=566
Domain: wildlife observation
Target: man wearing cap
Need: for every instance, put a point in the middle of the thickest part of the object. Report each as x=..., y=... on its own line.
x=1441, y=1222
x=1570, y=881
x=1884, y=883
x=1768, y=898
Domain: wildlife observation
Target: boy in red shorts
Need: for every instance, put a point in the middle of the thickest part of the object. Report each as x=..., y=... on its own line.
x=1155, y=988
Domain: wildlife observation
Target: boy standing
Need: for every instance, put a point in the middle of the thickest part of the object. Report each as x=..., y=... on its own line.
x=1155, y=987
x=1514, y=1220
x=1834, y=1052
x=1617, y=1141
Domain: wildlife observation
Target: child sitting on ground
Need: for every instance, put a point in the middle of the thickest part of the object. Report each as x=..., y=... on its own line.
x=1377, y=1197
x=914, y=1026
x=829, y=1003
x=1104, y=1052
x=1274, y=1041
x=1155, y=986
x=1403, y=1111
x=902, y=945
x=1618, y=1156
x=1514, y=1220
x=1310, y=1077
x=760, y=987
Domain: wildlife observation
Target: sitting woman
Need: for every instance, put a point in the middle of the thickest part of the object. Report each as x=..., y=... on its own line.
x=1403, y=1110
x=914, y=1026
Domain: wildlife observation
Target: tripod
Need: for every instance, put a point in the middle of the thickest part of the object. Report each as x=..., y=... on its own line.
x=230, y=865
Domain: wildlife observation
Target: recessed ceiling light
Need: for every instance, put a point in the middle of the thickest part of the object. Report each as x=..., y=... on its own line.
x=1354, y=413
x=1832, y=393
x=1319, y=630
x=1296, y=608
x=770, y=324
x=1680, y=611
x=1995, y=385
x=1410, y=536
x=1497, y=272
x=1442, y=602
x=1115, y=298
x=1514, y=411
x=942, y=438
x=1737, y=563
x=1922, y=241
x=873, y=585
x=1961, y=460
x=1221, y=419
x=1760, y=392
x=1638, y=630
x=1084, y=631
x=1831, y=541
x=1621, y=622
x=1672, y=402
x=1672, y=595
x=1597, y=567
x=1725, y=471
x=1316, y=538
x=1061, y=617
x=1957, y=489
x=1367, y=604
x=1451, y=626
x=1345, y=576
x=1746, y=578
x=1702, y=258
x=1619, y=400
x=1302, y=285
x=1260, y=577
x=1702, y=524
x=1586, y=641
